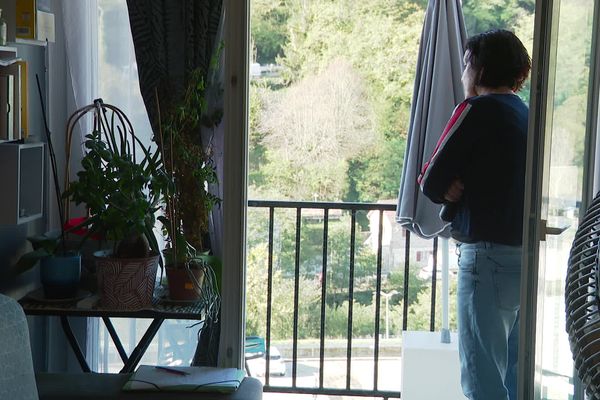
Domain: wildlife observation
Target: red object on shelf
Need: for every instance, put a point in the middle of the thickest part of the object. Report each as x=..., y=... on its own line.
x=82, y=231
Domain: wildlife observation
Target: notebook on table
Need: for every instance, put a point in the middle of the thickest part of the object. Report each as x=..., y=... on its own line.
x=185, y=379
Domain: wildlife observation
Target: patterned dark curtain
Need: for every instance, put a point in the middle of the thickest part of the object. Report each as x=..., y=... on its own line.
x=172, y=38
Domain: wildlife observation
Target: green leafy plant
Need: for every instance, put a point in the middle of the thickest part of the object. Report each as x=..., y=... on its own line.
x=44, y=245
x=122, y=194
x=189, y=163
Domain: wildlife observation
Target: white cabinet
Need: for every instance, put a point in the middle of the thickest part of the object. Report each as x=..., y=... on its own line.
x=21, y=182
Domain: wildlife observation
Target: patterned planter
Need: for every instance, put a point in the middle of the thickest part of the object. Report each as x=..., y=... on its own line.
x=125, y=283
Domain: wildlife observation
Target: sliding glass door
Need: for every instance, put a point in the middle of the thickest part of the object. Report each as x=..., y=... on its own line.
x=559, y=163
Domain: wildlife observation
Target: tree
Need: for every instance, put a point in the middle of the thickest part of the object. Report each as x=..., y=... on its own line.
x=282, y=300
x=375, y=175
x=419, y=313
x=481, y=16
x=570, y=95
x=378, y=43
x=256, y=151
x=395, y=281
x=269, y=33
x=380, y=39
x=313, y=127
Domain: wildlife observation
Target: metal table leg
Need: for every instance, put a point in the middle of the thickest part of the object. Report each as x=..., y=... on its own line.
x=64, y=322
x=115, y=339
x=142, y=346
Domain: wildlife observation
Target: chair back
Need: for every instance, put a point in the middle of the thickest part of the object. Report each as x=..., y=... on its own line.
x=17, y=379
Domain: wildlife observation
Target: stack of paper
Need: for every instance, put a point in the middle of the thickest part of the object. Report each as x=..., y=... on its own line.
x=185, y=379
x=4, y=62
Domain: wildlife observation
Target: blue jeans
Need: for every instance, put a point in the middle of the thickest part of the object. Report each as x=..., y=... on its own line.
x=489, y=281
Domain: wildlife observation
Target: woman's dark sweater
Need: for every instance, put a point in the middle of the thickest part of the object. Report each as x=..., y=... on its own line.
x=484, y=145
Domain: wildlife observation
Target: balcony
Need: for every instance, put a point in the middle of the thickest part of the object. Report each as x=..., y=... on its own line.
x=331, y=287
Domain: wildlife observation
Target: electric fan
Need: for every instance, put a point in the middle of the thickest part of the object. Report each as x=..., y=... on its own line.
x=582, y=300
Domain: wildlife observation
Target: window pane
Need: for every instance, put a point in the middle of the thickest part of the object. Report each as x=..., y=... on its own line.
x=118, y=85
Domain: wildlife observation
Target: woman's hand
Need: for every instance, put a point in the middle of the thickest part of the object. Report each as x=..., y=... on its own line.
x=455, y=191
x=469, y=77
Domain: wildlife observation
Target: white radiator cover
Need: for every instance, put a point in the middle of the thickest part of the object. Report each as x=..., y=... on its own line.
x=430, y=369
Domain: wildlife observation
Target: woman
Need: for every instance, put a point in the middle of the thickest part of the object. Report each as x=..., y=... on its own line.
x=478, y=167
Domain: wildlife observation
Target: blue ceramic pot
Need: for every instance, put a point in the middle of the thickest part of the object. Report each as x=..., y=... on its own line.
x=60, y=275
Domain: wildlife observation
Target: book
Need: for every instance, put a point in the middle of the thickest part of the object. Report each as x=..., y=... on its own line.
x=10, y=97
x=9, y=61
x=23, y=100
x=34, y=21
x=185, y=379
x=25, y=19
x=6, y=105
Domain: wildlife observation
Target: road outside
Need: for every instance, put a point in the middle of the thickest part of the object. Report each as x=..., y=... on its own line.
x=334, y=372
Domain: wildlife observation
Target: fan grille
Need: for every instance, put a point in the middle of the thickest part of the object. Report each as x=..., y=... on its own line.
x=581, y=300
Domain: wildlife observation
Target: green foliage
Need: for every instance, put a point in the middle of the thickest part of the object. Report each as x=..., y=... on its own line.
x=419, y=314
x=395, y=281
x=268, y=21
x=257, y=150
x=336, y=312
x=120, y=193
x=378, y=41
x=311, y=265
x=481, y=16
x=363, y=320
x=570, y=93
x=376, y=175
x=45, y=245
x=189, y=164
x=283, y=292
x=311, y=249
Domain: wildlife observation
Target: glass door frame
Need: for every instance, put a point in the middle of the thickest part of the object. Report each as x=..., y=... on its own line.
x=538, y=162
x=591, y=176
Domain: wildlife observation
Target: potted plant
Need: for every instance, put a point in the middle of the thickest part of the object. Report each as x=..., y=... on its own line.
x=121, y=184
x=60, y=268
x=190, y=274
x=188, y=162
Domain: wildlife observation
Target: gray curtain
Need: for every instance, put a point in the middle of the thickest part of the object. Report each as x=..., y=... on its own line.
x=171, y=39
x=438, y=89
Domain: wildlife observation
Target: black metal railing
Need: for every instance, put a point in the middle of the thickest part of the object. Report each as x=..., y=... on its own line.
x=352, y=209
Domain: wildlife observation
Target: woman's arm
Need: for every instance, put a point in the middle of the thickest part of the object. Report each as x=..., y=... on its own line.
x=440, y=178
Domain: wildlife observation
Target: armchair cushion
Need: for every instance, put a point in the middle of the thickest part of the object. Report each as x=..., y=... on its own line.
x=17, y=379
x=108, y=387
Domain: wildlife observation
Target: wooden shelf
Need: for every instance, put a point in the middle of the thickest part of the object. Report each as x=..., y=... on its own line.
x=31, y=42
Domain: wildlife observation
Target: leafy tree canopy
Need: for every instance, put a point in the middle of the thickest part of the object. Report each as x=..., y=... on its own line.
x=481, y=16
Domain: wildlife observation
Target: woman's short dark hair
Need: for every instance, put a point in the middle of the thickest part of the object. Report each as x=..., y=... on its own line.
x=499, y=59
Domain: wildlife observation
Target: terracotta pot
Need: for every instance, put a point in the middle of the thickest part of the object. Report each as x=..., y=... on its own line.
x=125, y=283
x=181, y=284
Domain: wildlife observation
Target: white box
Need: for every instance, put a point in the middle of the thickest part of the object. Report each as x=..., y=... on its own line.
x=21, y=182
x=45, y=26
x=430, y=369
